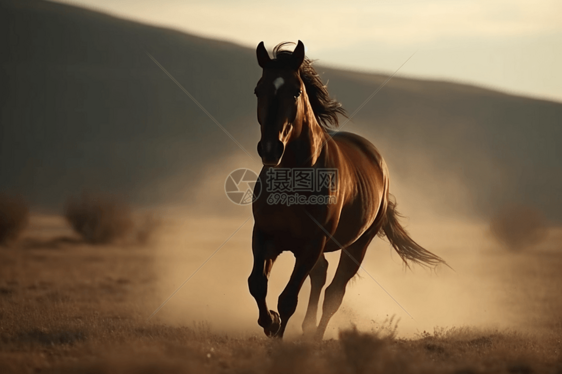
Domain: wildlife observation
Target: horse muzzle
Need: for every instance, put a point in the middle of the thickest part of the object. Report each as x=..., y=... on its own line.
x=271, y=152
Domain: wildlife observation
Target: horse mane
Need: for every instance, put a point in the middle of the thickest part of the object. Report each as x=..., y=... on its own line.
x=325, y=108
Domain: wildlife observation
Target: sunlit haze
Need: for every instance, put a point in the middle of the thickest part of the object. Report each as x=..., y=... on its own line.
x=513, y=46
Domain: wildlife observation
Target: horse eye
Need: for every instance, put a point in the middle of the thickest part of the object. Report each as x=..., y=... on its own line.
x=297, y=95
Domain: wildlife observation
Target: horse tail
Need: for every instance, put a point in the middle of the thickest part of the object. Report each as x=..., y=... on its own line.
x=406, y=247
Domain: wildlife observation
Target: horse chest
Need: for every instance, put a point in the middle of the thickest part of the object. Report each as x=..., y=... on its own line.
x=286, y=224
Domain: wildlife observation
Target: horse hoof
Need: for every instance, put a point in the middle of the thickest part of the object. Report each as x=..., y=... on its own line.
x=275, y=326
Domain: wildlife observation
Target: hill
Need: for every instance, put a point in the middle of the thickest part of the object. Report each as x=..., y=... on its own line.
x=83, y=105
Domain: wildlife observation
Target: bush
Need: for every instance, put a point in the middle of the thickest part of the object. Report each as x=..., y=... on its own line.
x=146, y=228
x=518, y=227
x=14, y=217
x=97, y=218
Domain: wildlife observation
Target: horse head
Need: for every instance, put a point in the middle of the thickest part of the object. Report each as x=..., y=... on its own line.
x=280, y=94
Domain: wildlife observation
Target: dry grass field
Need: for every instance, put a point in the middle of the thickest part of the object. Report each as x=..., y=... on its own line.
x=84, y=106
x=69, y=307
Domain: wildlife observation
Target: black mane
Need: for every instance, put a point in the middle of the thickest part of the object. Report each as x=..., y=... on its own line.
x=325, y=108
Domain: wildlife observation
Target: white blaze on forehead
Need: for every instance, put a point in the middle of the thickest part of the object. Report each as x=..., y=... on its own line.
x=278, y=82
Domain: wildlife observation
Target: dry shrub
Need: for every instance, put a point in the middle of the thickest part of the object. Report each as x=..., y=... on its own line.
x=98, y=218
x=146, y=228
x=371, y=353
x=14, y=217
x=517, y=227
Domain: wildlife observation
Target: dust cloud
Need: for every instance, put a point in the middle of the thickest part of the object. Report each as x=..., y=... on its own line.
x=490, y=286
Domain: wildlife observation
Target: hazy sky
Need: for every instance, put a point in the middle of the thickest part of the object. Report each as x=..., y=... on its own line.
x=511, y=45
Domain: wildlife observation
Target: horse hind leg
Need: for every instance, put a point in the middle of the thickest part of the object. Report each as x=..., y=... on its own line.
x=350, y=261
x=317, y=281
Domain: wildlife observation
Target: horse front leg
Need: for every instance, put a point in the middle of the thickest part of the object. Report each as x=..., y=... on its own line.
x=306, y=258
x=264, y=257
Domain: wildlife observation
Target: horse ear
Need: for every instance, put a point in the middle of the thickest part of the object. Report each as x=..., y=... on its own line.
x=263, y=56
x=298, y=56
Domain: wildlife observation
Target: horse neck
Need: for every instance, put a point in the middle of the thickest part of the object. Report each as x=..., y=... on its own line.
x=305, y=147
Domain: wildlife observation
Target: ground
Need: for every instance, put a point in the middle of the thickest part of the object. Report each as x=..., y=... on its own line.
x=69, y=307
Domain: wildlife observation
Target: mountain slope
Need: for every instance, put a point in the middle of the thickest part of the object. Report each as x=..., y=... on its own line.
x=83, y=105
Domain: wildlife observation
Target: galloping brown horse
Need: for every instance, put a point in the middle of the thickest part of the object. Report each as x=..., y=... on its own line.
x=296, y=114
